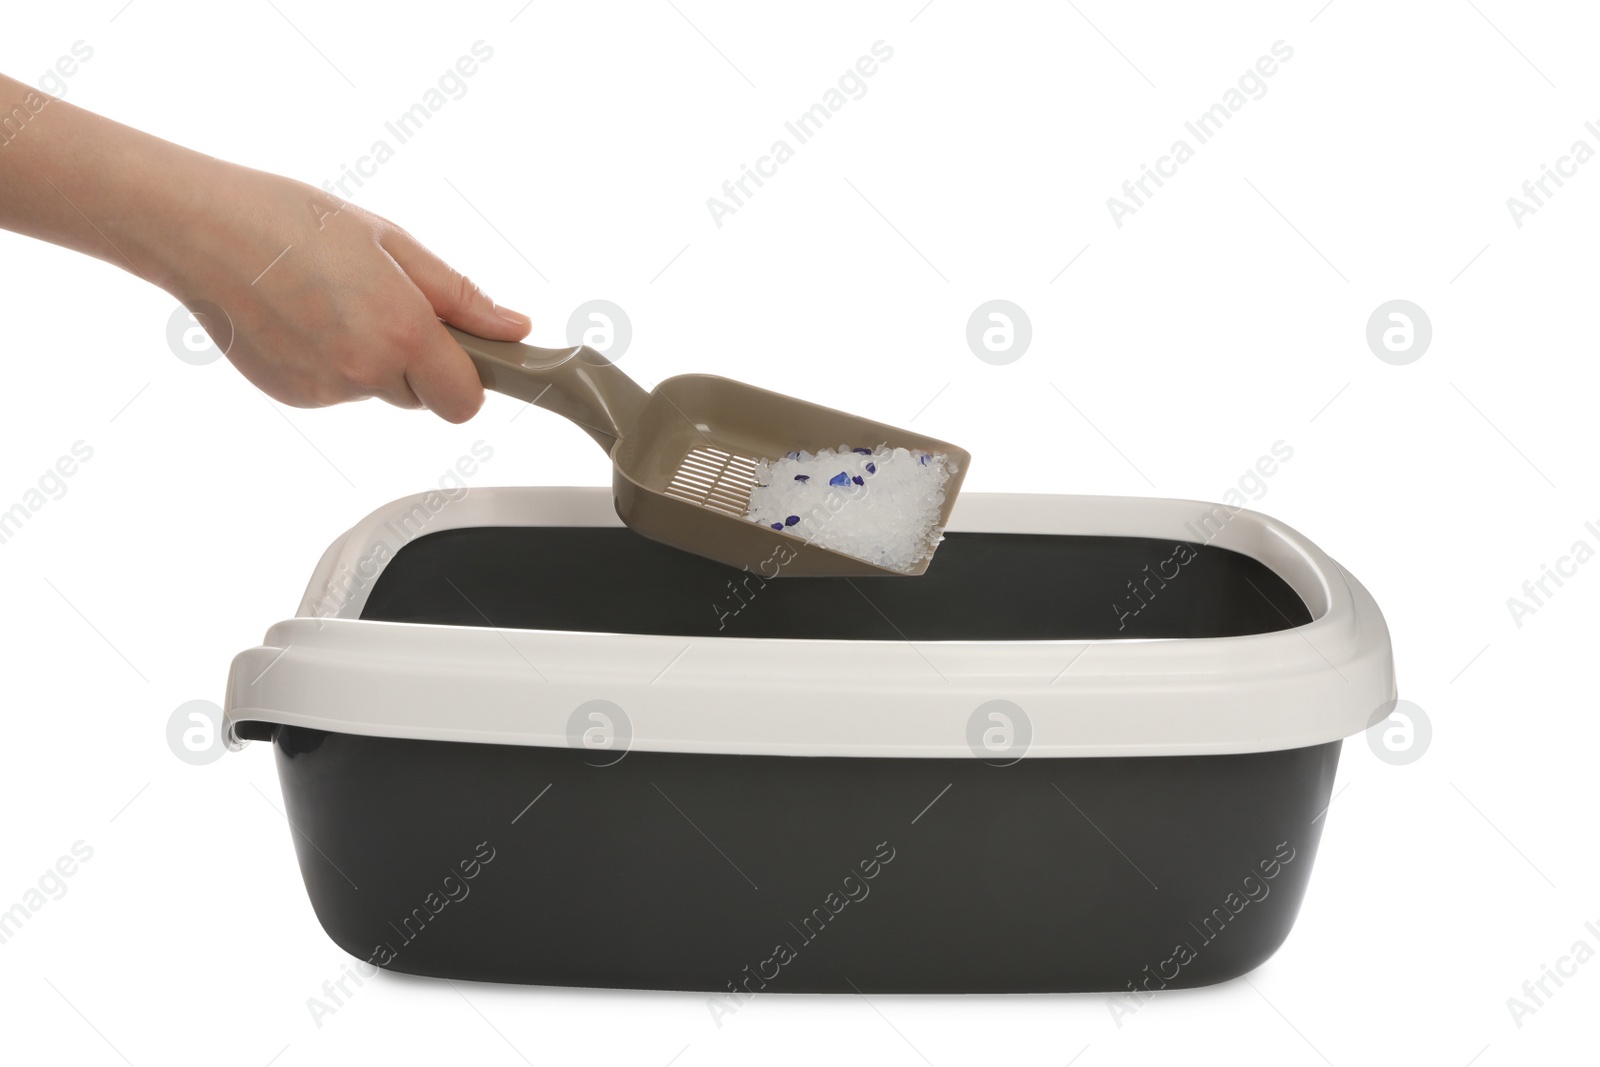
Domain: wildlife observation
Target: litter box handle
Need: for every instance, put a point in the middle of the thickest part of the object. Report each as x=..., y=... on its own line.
x=578, y=383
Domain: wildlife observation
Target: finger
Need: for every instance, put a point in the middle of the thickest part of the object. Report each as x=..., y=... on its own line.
x=454, y=297
x=443, y=377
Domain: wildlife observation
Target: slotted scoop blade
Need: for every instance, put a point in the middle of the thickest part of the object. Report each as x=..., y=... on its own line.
x=684, y=454
x=711, y=478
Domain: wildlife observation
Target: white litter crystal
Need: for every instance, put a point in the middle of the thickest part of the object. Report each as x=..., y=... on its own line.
x=881, y=505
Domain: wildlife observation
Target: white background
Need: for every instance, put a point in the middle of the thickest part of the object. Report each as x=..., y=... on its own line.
x=1227, y=314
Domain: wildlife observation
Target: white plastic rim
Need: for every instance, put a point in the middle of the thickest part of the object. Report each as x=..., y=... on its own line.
x=330, y=670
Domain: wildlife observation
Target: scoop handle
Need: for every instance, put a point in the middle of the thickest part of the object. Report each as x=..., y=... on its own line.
x=578, y=383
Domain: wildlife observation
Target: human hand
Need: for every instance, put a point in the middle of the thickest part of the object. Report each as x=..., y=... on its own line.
x=326, y=302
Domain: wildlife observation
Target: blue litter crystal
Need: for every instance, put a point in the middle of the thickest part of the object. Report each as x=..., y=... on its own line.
x=839, y=479
x=872, y=468
x=791, y=520
x=863, y=451
x=922, y=460
x=802, y=477
x=858, y=480
x=777, y=526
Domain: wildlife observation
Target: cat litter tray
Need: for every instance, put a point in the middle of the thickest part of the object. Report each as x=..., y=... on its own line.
x=1091, y=748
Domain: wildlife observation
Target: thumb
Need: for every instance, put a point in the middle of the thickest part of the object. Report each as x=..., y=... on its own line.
x=454, y=297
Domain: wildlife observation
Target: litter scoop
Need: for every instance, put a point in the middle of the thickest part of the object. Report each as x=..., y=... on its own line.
x=684, y=455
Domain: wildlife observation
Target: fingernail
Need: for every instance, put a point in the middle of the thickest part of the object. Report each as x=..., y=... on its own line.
x=516, y=318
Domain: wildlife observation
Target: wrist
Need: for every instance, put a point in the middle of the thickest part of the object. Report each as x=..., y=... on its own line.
x=176, y=205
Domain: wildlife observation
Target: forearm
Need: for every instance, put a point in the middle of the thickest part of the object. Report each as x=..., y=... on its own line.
x=87, y=183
